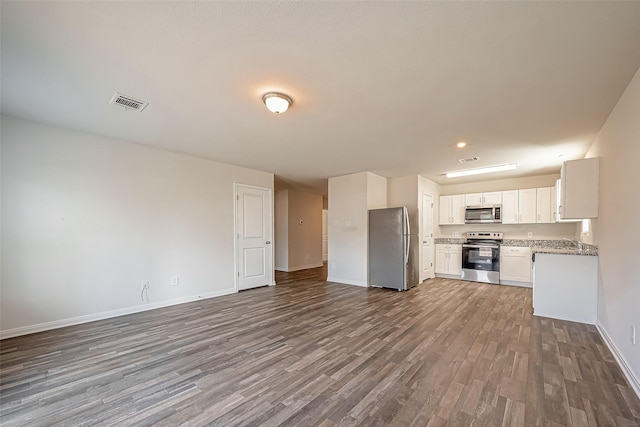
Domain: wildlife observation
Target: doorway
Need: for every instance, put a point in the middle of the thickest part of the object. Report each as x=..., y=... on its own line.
x=427, y=237
x=254, y=236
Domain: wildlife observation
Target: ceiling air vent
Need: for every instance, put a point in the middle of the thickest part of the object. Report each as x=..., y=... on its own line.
x=128, y=102
x=469, y=159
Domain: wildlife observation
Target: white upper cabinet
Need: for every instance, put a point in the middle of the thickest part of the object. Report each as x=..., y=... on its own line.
x=510, y=208
x=554, y=204
x=452, y=209
x=519, y=206
x=579, y=189
x=527, y=206
x=544, y=202
x=479, y=199
x=493, y=198
x=474, y=199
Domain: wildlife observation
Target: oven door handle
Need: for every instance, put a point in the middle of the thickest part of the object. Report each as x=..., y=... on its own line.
x=480, y=247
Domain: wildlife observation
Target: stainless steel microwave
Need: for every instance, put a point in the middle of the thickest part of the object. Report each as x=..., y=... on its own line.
x=482, y=214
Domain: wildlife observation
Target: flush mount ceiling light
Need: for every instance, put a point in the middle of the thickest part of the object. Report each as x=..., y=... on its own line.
x=276, y=102
x=489, y=169
x=461, y=144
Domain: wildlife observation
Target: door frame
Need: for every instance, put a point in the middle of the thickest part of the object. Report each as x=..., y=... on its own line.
x=422, y=232
x=236, y=255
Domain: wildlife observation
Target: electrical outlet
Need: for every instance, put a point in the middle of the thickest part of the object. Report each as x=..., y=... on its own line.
x=333, y=265
x=144, y=284
x=529, y=235
x=175, y=280
x=632, y=336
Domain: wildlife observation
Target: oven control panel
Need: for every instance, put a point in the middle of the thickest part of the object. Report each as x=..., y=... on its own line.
x=484, y=235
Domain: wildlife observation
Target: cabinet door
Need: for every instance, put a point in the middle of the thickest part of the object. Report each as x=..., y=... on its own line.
x=579, y=183
x=543, y=201
x=474, y=199
x=510, y=207
x=455, y=260
x=527, y=206
x=457, y=209
x=493, y=198
x=445, y=210
x=515, y=264
x=441, y=259
x=554, y=204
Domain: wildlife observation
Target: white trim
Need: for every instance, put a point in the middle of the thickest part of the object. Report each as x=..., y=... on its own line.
x=448, y=276
x=567, y=319
x=302, y=267
x=624, y=366
x=347, y=281
x=514, y=283
x=25, y=330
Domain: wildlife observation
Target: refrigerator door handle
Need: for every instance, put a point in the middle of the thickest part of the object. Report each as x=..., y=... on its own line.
x=408, y=241
x=406, y=217
x=406, y=251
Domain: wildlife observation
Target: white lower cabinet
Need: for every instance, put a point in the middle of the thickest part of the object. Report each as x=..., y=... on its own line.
x=449, y=259
x=515, y=264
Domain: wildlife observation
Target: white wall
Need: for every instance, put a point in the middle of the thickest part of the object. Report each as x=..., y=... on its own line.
x=618, y=146
x=85, y=219
x=376, y=192
x=350, y=197
x=403, y=191
x=502, y=184
x=281, y=231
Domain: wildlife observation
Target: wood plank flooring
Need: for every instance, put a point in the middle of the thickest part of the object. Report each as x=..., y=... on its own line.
x=307, y=352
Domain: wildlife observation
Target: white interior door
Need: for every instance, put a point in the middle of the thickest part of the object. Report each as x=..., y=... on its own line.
x=427, y=236
x=254, y=231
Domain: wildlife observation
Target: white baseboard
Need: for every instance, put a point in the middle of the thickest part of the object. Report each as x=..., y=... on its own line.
x=347, y=281
x=46, y=326
x=448, y=276
x=626, y=369
x=302, y=267
x=519, y=284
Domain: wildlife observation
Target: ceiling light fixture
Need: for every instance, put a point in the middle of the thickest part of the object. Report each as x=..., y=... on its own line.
x=276, y=102
x=461, y=144
x=488, y=169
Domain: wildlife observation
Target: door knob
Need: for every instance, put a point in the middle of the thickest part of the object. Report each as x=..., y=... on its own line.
x=267, y=242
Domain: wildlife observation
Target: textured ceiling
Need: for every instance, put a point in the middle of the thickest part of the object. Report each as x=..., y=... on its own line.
x=382, y=86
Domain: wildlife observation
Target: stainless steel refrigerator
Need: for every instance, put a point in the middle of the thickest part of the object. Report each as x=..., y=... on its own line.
x=393, y=248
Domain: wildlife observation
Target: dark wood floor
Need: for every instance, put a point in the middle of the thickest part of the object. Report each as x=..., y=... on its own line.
x=307, y=352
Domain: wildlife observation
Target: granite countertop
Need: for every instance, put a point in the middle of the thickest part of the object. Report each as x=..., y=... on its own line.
x=561, y=247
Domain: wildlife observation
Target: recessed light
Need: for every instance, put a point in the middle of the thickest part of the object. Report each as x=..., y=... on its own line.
x=461, y=144
x=488, y=169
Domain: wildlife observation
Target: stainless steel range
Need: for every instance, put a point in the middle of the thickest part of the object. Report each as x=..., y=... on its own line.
x=481, y=257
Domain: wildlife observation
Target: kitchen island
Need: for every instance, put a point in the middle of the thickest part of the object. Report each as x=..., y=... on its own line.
x=565, y=285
